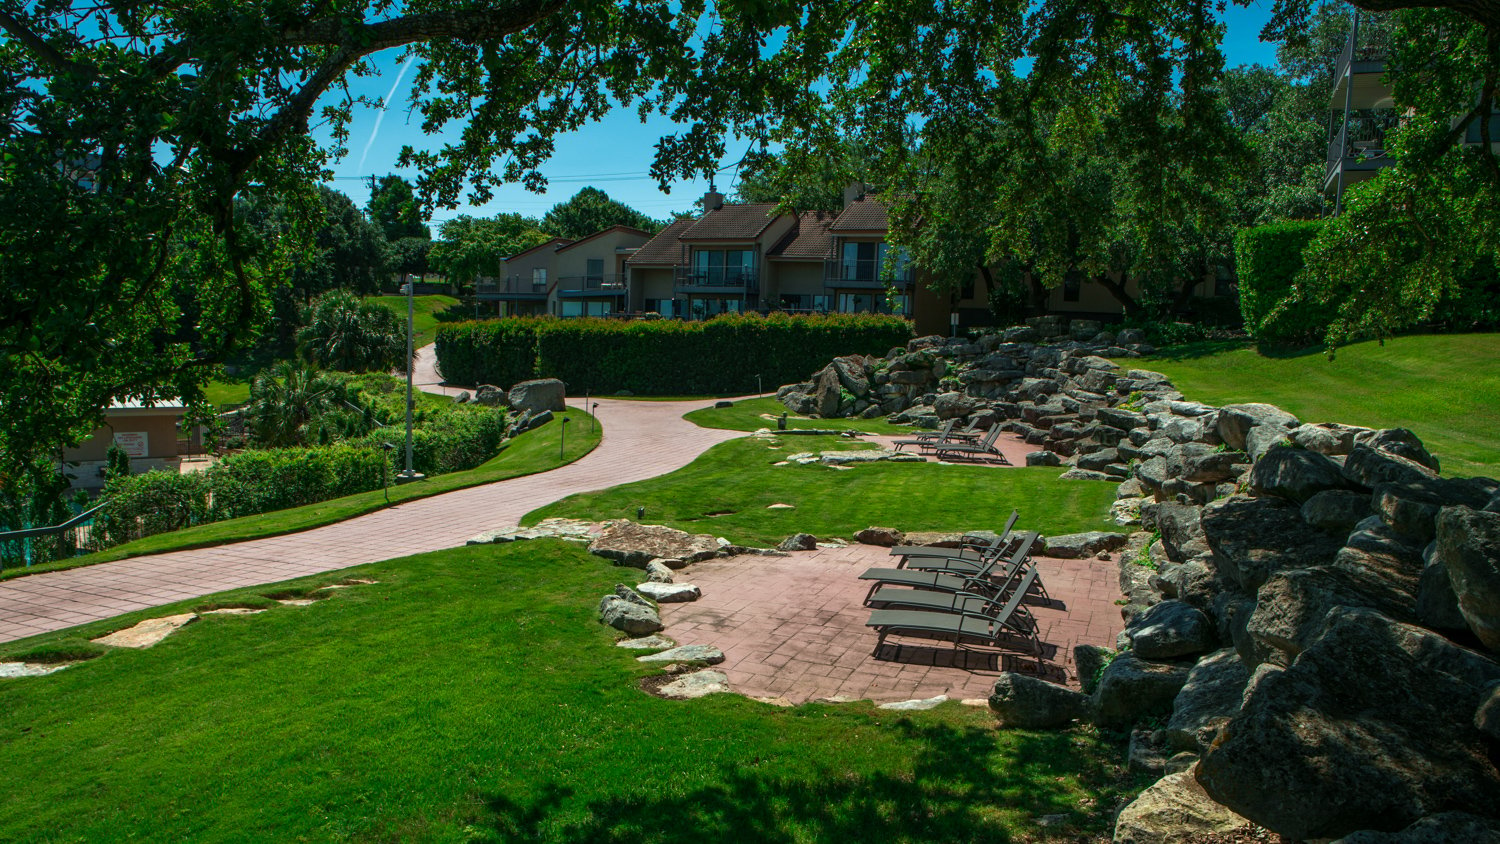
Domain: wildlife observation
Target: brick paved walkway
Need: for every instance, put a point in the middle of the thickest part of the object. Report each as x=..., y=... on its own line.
x=794, y=627
x=642, y=440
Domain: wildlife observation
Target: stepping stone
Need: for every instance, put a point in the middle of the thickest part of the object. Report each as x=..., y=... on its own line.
x=687, y=653
x=655, y=641
x=696, y=685
x=232, y=611
x=779, y=506
x=775, y=701
x=297, y=602
x=915, y=705
x=29, y=669
x=147, y=633
x=670, y=593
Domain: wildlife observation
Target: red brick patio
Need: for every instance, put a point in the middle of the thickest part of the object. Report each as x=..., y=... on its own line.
x=794, y=627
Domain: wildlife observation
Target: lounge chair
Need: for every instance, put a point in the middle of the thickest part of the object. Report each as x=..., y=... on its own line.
x=992, y=625
x=978, y=580
x=983, y=448
x=924, y=439
x=969, y=551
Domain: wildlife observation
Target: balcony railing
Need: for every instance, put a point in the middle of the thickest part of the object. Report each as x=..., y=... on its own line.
x=862, y=273
x=736, y=278
x=1369, y=42
x=511, y=286
x=604, y=283
x=1364, y=139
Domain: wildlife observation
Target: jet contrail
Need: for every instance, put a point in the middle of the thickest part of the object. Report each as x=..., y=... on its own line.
x=384, y=104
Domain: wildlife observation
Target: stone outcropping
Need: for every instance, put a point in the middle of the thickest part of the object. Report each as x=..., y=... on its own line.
x=538, y=395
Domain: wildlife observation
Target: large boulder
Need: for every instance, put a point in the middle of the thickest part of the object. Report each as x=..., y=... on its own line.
x=1075, y=545
x=1371, y=728
x=1412, y=508
x=1236, y=420
x=1401, y=442
x=1442, y=828
x=1174, y=810
x=1030, y=703
x=1468, y=544
x=826, y=394
x=1181, y=527
x=884, y=537
x=1336, y=511
x=630, y=544
x=490, y=396
x=1171, y=630
x=1209, y=699
x=538, y=395
x=850, y=370
x=1369, y=467
x=1132, y=688
x=1325, y=438
x=629, y=613
x=1253, y=538
x=1295, y=474
x=953, y=405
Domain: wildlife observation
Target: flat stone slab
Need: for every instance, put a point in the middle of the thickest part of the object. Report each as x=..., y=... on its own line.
x=655, y=641
x=148, y=632
x=572, y=530
x=297, y=602
x=629, y=544
x=234, y=611
x=669, y=593
x=687, y=653
x=780, y=506
x=29, y=669
x=696, y=685
x=915, y=705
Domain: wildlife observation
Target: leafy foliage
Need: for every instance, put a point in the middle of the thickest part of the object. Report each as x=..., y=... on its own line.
x=1269, y=259
x=344, y=332
x=296, y=405
x=469, y=247
x=395, y=209
x=591, y=210
x=666, y=357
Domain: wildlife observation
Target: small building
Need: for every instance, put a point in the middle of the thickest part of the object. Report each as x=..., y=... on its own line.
x=149, y=434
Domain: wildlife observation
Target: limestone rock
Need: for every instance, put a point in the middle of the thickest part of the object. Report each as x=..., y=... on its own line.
x=1400, y=442
x=707, y=654
x=1325, y=438
x=657, y=571
x=1171, y=630
x=696, y=685
x=1132, y=688
x=1181, y=527
x=1252, y=538
x=1236, y=420
x=953, y=405
x=655, y=641
x=490, y=396
x=1442, y=828
x=630, y=544
x=148, y=632
x=1029, y=703
x=1077, y=545
x=1336, y=511
x=882, y=536
x=670, y=593
x=29, y=669
x=1147, y=752
x=1295, y=474
x=1175, y=810
x=1370, y=728
x=1412, y=508
x=1090, y=661
x=627, y=616
x=916, y=705
x=1369, y=467
x=1468, y=544
x=1042, y=458
x=798, y=542
x=1209, y=699
x=538, y=395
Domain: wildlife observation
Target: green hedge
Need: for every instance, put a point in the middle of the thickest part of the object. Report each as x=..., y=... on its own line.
x=1268, y=259
x=661, y=357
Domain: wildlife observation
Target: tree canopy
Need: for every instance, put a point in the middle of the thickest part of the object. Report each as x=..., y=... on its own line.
x=395, y=208
x=469, y=247
x=591, y=210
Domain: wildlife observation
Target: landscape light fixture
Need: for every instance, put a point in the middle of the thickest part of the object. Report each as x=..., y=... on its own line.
x=758, y=389
x=640, y=514
x=385, y=470
x=562, y=442
x=408, y=474
x=593, y=417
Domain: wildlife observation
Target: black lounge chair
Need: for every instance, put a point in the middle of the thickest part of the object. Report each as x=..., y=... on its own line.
x=977, y=580
x=921, y=440
x=983, y=448
x=972, y=552
x=996, y=625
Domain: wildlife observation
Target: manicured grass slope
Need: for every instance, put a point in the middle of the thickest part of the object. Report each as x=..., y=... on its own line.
x=424, y=314
x=471, y=696
x=1446, y=388
x=739, y=477
x=747, y=416
x=529, y=453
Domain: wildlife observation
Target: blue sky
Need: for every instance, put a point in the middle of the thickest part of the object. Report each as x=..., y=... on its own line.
x=615, y=154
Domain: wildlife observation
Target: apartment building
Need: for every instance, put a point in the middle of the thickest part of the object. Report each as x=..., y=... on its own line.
x=568, y=278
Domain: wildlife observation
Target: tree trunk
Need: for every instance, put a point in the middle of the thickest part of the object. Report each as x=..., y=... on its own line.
x=1117, y=290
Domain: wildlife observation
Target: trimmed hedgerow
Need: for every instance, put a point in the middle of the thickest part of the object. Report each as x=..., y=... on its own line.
x=661, y=357
x=1268, y=259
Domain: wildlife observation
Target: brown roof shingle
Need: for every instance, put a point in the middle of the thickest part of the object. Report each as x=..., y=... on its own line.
x=809, y=239
x=732, y=222
x=663, y=250
x=866, y=215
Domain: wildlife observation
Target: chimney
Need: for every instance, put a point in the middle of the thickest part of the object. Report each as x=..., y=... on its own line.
x=713, y=200
x=854, y=192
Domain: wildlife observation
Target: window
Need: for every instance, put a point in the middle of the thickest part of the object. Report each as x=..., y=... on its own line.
x=900, y=304
x=792, y=302
x=857, y=303
x=822, y=304
x=581, y=307
x=732, y=267
x=539, y=280
x=708, y=307
x=1072, y=286
x=594, y=270
x=859, y=262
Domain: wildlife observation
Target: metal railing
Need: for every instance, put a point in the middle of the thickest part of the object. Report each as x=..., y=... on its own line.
x=513, y=286
x=868, y=271
x=605, y=283
x=75, y=534
x=746, y=277
x=1364, y=138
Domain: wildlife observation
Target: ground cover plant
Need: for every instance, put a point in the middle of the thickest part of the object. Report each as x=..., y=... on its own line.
x=1446, y=388
x=470, y=695
x=747, y=415
x=531, y=452
x=738, y=481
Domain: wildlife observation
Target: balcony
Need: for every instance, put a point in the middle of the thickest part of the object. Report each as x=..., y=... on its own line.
x=1362, y=64
x=1362, y=144
x=729, y=280
x=591, y=286
x=512, y=289
x=862, y=275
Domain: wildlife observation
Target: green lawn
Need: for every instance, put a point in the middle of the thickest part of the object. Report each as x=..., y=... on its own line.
x=738, y=480
x=424, y=314
x=1446, y=388
x=471, y=696
x=748, y=415
x=532, y=452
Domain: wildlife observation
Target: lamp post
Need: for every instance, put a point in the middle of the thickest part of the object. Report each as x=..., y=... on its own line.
x=562, y=442
x=385, y=470
x=758, y=389
x=593, y=417
x=408, y=474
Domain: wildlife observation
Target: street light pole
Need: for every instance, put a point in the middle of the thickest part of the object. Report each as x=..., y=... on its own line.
x=409, y=474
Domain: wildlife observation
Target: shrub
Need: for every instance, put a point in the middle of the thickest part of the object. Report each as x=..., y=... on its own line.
x=666, y=357
x=151, y=503
x=261, y=481
x=1269, y=259
x=342, y=331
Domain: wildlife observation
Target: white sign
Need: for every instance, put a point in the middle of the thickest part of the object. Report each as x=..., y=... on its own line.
x=133, y=443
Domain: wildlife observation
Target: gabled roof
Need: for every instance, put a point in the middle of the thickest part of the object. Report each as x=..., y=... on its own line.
x=601, y=233
x=732, y=222
x=809, y=239
x=865, y=215
x=554, y=244
x=663, y=250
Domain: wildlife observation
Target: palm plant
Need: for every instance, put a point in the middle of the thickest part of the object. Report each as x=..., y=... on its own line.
x=296, y=405
x=347, y=333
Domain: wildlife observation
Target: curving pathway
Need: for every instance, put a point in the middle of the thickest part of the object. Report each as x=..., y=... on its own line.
x=643, y=439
